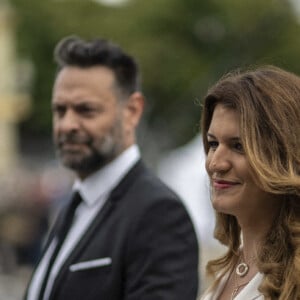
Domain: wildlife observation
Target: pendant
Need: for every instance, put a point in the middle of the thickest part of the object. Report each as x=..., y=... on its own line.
x=242, y=269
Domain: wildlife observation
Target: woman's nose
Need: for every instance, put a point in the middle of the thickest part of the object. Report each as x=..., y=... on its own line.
x=219, y=160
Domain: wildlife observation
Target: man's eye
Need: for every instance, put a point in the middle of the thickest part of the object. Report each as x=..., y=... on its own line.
x=59, y=110
x=85, y=110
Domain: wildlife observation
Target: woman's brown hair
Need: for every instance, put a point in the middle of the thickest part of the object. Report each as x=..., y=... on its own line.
x=267, y=100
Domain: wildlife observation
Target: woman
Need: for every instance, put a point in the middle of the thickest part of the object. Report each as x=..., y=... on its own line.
x=251, y=134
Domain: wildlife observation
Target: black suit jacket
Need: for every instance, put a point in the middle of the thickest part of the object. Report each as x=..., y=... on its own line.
x=143, y=245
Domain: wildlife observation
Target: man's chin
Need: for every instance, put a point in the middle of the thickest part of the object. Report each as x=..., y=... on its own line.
x=72, y=161
x=84, y=162
x=80, y=165
x=71, y=164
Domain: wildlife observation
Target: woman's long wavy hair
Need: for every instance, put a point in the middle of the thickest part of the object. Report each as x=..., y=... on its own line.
x=267, y=100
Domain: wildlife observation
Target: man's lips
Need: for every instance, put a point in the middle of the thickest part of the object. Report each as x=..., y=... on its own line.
x=223, y=184
x=70, y=146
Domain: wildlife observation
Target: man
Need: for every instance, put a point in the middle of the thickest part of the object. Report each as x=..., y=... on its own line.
x=130, y=237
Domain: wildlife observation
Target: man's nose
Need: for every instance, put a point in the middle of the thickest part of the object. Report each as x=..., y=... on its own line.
x=69, y=122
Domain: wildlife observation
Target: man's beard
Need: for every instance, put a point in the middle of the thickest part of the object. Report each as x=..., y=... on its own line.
x=95, y=155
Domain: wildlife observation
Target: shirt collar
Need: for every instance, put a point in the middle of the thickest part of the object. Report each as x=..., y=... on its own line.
x=106, y=178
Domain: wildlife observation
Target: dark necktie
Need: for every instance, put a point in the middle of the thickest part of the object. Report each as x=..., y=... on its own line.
x=61, y=235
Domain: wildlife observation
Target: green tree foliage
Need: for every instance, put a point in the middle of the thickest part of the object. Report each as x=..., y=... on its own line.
x=183, y=46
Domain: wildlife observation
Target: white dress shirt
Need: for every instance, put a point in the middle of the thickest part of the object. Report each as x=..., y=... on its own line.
x=94, y=191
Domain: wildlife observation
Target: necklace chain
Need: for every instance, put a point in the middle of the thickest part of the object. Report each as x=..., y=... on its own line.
x=241, y=271
x=236, y=289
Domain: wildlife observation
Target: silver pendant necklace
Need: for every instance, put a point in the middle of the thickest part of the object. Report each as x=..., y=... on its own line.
x=242, y=269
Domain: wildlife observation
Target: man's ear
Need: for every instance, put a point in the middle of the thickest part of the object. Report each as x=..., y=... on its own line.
x=134, y=110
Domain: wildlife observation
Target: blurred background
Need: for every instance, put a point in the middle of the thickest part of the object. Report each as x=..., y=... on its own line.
x=182, y=46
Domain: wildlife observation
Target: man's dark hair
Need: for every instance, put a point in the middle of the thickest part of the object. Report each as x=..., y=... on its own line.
x=73, y=51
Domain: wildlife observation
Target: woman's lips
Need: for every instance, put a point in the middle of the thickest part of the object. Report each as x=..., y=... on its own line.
x=223, y=184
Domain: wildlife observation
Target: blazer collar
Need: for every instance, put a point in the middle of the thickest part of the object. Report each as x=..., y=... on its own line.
x=107, y=178
x=116, y=195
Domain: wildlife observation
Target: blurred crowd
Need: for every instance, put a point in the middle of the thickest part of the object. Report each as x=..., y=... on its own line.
x=28, y=203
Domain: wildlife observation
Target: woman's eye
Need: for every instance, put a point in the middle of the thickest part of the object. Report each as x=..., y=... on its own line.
x=239, y=147
x=213, y=144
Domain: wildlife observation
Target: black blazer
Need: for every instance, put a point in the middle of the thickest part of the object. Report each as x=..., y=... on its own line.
x=141, y=246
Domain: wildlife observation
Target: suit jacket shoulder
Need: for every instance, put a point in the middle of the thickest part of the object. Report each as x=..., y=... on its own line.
x=141, y=245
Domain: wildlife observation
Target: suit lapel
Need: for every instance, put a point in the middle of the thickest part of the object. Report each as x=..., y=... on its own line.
x=116, y=195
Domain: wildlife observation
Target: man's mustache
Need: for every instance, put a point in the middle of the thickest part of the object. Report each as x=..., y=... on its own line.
x=73, y=139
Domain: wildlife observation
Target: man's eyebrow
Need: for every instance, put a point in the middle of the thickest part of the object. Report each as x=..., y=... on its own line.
x=85, y=101
x=54, y=105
